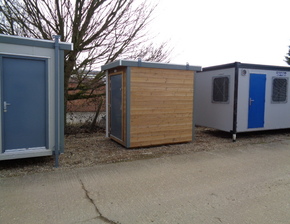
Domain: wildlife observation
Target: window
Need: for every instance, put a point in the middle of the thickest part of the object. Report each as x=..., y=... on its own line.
x=220, y=90
x=279, y=92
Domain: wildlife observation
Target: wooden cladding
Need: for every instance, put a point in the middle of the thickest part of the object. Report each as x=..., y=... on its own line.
x=157, y=106
x=161, y=109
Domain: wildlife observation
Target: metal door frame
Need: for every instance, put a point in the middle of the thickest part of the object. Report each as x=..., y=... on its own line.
x=122, y=105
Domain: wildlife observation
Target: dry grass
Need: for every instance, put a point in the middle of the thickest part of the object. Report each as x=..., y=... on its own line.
x=84, y=150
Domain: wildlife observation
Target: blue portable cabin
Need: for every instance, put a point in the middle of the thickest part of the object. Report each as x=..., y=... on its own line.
x=31, y=79
x=241, y=97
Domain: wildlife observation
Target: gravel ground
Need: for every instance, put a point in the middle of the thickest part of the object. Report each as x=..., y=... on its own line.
x=85, y=150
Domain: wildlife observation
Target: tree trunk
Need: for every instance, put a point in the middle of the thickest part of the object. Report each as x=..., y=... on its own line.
x=93, y=124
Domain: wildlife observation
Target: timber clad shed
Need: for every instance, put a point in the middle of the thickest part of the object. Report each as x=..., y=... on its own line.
x=149, y=103
x=31, y=79
x=242, y=97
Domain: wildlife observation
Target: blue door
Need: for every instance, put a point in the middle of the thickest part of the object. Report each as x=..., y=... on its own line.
x=24, y=103
x=256, y=113
x=116, y=106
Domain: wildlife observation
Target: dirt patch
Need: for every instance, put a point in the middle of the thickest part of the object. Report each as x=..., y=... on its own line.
x=89, y=149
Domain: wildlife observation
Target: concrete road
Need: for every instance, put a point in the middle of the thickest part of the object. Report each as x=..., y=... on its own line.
x=241, y=185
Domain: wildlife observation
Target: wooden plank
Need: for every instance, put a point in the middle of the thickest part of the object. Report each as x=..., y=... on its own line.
x=151, y=135
x=162, y=108
x=160, y=137
x=168, y=72
x=186, y=78
x=155, y=112
x=165, y=113
x=165, y=96
x=162, y=80
x=147, y=109
x=172, y=86
x=148, y=117
x=157, y=93
x=149, y=128
x=157, y=121
x=147, y=76
x=146, y=105
x=174, y=140
x=157, y=103
x=162, y=83
x=160, y=127
x=160, y=98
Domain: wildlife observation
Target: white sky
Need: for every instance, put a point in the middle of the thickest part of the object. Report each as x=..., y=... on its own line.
x=213, y=32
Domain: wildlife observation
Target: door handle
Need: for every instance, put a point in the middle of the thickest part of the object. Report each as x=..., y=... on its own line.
x=5, y=106
x=250, y=101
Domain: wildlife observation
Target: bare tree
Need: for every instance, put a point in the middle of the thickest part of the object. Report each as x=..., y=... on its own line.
x=287, y=58
x=101, y=31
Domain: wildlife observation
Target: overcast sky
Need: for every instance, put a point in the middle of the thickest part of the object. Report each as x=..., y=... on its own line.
x=213, y=32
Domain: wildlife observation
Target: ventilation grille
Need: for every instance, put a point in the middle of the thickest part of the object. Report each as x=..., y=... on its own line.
x=279, y=90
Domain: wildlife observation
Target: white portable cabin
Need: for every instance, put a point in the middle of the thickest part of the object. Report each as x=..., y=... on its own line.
x=240, y=97
x=31, y=80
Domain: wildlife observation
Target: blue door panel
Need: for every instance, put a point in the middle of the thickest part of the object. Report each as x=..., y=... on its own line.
x=256, y=113
x=116, y=106
x=24, y=88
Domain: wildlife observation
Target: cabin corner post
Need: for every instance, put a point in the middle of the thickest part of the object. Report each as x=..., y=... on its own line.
x=193, y=109
x=128, y=108
x=61, y=100
x=235, y=103
x=57, y=95
x=107, y=104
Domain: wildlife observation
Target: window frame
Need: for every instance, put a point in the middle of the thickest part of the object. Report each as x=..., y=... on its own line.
x=213, y=88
